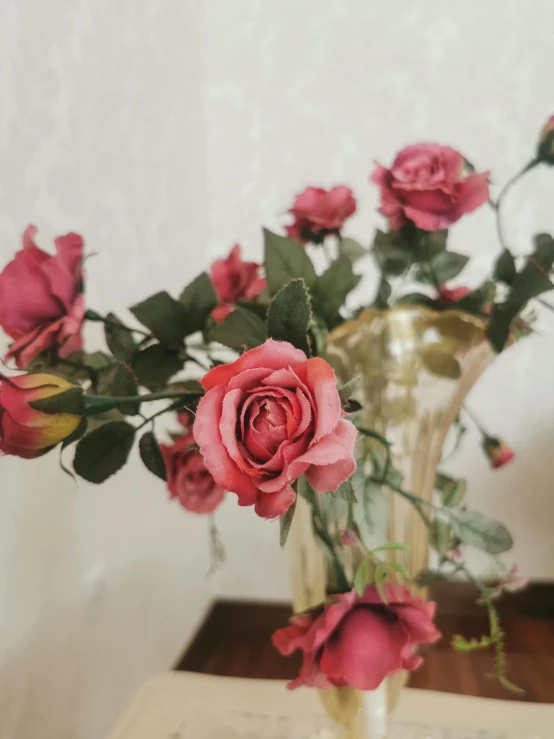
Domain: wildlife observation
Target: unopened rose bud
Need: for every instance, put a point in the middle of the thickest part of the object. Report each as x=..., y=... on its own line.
x=545, y=148
x=25, y=431
x=498, y=452
x=348, y=538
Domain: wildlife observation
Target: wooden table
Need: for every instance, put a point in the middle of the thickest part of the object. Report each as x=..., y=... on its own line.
x=181, y=705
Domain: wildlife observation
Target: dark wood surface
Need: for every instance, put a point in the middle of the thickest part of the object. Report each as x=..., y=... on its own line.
x=235, y=640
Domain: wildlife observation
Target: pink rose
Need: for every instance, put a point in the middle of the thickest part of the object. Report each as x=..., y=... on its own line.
x=269, y=417
x=318, y=212
x=359, y=640
x=512, y=582
x=188, y=480
x=426, y=185
x=452, y=295
x=234, y=280
x=41, y=299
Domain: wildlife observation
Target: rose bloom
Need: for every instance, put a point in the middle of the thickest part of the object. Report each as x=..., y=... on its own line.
x=512, y=582
x=426, y=185
x=359, y=640
x=269, y=417
x=452, y=295
x=41, y=300
x=188, y=480
x=498, y=452
x=234, y=280
x=318, y=212
x=24, y=431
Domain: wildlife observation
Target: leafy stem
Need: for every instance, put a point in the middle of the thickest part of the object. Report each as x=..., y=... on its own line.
x=95, y=404
x=92, y=315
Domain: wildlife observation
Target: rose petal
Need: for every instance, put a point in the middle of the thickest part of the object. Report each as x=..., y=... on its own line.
x=218, y=462
x=271, y=505
x=272, y=355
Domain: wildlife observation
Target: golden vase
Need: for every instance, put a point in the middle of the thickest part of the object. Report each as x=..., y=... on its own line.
x=415, y=368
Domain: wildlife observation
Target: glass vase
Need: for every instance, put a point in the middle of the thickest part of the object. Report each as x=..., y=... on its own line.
x=415, y=367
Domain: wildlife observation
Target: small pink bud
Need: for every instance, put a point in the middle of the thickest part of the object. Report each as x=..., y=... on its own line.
x=498, y=452
x=348, y=538
x=545, y=149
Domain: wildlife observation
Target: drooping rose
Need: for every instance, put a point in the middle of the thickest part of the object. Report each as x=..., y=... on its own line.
x=426, y=185
x=452, y=295
x=24, y=431
x=269, y=417
x=497, y=451
x=234, y=280
x=188, y=480
x=512, y=582
x=41, y=300
x=318, y=212
x=359, y=640
x=545, y=149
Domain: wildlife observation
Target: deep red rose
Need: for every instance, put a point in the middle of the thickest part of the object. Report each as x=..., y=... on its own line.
x=269, y=417
x=318, y=212
x=359, y=640
x=234, y=280
x=452, y=295
x=426, y=185
x=41, y=299
x=188, y=480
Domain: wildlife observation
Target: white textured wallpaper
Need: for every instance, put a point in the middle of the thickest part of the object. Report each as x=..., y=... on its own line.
x=164, y=132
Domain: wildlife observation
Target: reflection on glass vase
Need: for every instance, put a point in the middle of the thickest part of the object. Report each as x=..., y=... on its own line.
x=415, y=368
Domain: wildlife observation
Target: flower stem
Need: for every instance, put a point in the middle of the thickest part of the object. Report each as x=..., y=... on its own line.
x=507, y=187
x=95, y=404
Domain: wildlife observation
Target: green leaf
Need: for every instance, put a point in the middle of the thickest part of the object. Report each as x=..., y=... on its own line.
x=259, y=309
x=290, y=314
x=331, y=289
x=346, y=492
x=97, y=360
x=240, y=329
x=417, y=299
x=445, y=266
x=361, y=578
x=351, y=249
x=152, y=456
x=104, y=451
x=428, y=577
x=505, y=267
x=440, y=533
x=530, y=282
x=119, y=339
x=199, y=299
x=452, y=491
x=399, y=568
x=440, y=362
x=480, y=531
x=392, y=254
x=383, y=295
x=395, y=546
x=428, y=244
x=155, y=365
x=70, y=401
x=380, y=578
x=165, y=317
x=285, y=522
x=285, y=260
x=347, y=390
x=478, y=300
x=333, y=507
x=119, y=382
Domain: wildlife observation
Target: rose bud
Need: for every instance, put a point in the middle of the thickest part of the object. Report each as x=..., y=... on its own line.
x=498, y=452
x=41, y=299
x=359, y=640
x=268, y=418
x=318, y=213
x=545, y=149
x=188, y=480
x=24, y=431
x=234, y=280
x=426, y=185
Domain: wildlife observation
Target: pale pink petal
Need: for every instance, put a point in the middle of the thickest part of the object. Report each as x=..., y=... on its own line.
x=218, y=462
x=272, y=355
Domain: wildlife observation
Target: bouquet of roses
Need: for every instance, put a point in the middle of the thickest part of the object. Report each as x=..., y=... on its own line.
x=264, y=417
